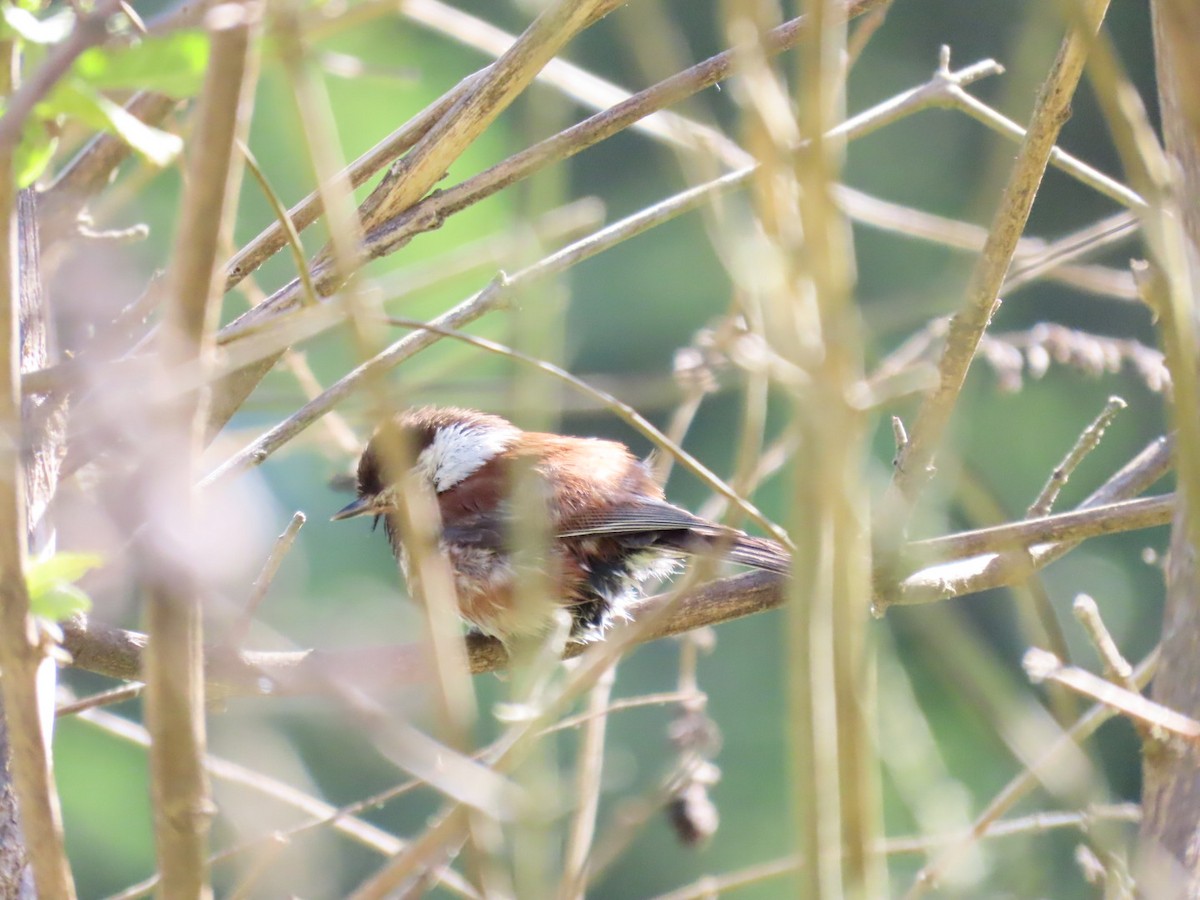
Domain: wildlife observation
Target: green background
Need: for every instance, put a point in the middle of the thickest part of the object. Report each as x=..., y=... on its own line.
x=623, y=315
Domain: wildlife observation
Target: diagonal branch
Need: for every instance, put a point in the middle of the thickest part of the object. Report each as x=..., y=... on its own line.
x=391, y=234
x=915, y=464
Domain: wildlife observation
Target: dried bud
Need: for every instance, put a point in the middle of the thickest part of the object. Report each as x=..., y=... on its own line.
x=693, y=815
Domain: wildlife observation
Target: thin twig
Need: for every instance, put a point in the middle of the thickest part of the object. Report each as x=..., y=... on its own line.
x=1021, y=785
x=1082, y=172
x=1116, y=668
x=1088, y=441
x=1044, y=666
x=1110, y=518
x=258, y=590
x=356, y=829
x=916, y=465
x=284, y=222
x=103, y=698
x=999, y=569
x=273, y=238
x=1055, y=255
x=1018, y=826
x=662, y=699
x=588, y=770
x=377, y=800
x=484, y=100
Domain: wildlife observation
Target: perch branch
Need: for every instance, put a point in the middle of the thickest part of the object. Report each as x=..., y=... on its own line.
x=117, y=652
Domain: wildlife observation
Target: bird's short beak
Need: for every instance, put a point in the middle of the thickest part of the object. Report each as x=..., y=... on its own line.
x=363, y=506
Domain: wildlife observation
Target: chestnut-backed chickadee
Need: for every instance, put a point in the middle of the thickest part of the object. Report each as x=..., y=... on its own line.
x=611, y=529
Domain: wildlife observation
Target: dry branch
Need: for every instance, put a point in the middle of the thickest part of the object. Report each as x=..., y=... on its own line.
x=915, y=465
x=24, y=642
x=1009, y=567
x=1171, y=791
x=1043, y=666
x=174, y=672
x=388, y=236
x=342, y=820
x=1022, y=785
x=118, y=653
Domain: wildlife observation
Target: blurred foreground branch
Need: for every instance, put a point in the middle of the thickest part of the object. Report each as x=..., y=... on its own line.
x=1168, y=864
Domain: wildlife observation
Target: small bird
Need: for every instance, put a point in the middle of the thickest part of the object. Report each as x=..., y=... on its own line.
x=611, y=528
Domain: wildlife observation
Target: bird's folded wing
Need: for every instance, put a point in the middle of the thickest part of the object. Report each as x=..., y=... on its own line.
x=634, y=518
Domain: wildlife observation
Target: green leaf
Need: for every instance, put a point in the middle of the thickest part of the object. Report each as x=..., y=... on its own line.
x=60, y=601
x=52, y=593
x=47, y=571
x=24, y=24
x=34, y=152
x=173, y=64
x=80, y=101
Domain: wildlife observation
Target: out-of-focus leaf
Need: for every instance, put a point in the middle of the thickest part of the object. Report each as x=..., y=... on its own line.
x=172, y=64
x=60, y=601
x=59, y=568
x=34, y=153
x=22, y=23
x=80, y=101
x=50, y=581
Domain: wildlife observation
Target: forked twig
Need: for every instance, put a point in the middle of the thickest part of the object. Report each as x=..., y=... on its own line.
x=1042, y=666
x=915, y=467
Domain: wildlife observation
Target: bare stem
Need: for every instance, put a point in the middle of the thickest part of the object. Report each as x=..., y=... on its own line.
x=344, y=820
x=1116, y=667
x=589, y=768
x=1088, y=441
x=174, y=673
x=915, y=466
x=258, y=590
x=1022, y=785
x=1044, y=666
x=24, y=644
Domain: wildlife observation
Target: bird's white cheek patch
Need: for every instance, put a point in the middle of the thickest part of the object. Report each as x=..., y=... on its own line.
x=458, y=451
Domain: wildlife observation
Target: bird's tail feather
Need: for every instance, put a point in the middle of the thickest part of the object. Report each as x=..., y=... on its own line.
x=760, y=553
